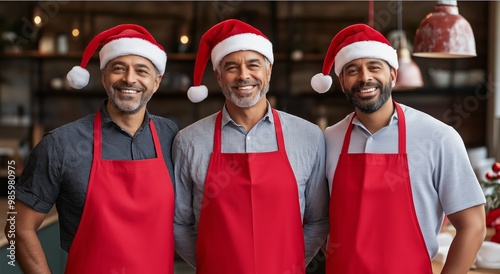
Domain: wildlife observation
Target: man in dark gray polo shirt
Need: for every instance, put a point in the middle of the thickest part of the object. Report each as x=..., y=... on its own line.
x=108, y=174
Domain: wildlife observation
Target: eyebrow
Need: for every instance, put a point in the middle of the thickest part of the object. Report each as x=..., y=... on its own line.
x=141, y=65
x=373, y=62
x=230, y=63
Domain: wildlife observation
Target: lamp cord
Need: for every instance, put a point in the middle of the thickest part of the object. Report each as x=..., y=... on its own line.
x=402, y=37
x=370, y=13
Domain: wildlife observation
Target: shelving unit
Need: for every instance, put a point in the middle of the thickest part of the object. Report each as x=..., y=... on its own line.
x=291, y=25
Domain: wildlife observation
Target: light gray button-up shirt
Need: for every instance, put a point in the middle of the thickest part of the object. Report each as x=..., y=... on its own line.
x=305, y=148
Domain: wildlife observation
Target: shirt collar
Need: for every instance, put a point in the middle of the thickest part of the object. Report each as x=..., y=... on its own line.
x=394, y=119
x=107, y=121
x=226, y=118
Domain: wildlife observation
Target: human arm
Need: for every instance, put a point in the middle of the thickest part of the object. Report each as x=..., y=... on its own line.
x=470, y=232
x=317, y=197
x=184, y=221
x=29, y=252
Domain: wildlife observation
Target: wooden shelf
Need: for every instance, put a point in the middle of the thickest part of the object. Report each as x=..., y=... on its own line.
x=34, y=54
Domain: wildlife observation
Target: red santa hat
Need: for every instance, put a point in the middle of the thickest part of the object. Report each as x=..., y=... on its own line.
x=125, y=39
x=222, y=39
x=351, y=43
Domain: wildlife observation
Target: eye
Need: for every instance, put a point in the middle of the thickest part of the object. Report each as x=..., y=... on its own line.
x=254, y=66
x=142, y=71
x=352, y=71
x=118, y=68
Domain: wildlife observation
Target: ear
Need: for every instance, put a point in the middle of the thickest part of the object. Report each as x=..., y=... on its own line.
x=269, y=70
x=218, y=76
x=341, y=81
x=103, y=77
x=157, y=82
x=394, y=76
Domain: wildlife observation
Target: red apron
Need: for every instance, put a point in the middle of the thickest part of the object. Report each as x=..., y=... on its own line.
x=127, y=220
x=373, y=223
x=250, y=219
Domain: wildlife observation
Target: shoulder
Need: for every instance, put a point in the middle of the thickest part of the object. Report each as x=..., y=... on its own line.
x=297, y=123
x=199, y=130
x=340, y=127
x=165, y=125
x=300, y=131
x=419, y=123
x=66, y=133
x=76, y=136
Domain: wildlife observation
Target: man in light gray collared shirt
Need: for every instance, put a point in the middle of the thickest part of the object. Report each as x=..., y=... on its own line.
x=248, y=127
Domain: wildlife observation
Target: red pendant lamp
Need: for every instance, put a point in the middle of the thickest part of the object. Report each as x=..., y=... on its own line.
x=444, y=33
x=409, y=75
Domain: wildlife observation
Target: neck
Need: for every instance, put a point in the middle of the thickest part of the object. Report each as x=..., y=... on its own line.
x=128, y=122
x=378, y=119
x=247, y=117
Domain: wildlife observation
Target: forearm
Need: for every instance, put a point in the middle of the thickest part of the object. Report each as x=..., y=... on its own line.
x=463, y=251
x=471, y=230
x=314, y=237
x=29, y=253
x=185, y=243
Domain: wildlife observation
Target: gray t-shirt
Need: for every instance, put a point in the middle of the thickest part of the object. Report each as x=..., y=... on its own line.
x=442, y=179
x=58, y=168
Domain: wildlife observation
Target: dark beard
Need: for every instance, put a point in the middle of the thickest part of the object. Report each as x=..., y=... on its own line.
x=385, y=94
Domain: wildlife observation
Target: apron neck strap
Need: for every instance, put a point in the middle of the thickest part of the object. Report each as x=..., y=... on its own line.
x=98, y=137
x=401, y=131
x=277, y=126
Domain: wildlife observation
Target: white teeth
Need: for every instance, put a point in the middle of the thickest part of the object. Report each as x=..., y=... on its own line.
x=367, y=90
x=245, y=87
x=129, y=91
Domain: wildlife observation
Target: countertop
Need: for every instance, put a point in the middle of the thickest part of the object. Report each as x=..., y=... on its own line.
x=437, y=267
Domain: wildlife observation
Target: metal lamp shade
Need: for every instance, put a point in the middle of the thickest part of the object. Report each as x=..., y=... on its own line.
x=444, y=33
x=409, y=75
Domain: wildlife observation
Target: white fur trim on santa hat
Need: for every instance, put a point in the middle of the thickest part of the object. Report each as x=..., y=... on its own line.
x=197, y=94
x=244, y=41
x=365, y=49
x=78, y=77
x=133, y=46
x=321, y=83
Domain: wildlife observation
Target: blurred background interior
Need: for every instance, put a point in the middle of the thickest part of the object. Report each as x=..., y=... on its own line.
x=40, y=41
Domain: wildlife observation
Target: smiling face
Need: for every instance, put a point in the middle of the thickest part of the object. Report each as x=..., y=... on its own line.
x=367, y=83
x=244, y=77
x=130, y=82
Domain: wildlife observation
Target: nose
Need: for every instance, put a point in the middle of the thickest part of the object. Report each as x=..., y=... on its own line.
x=365, y=75
x=244, y=73
x=129, y=76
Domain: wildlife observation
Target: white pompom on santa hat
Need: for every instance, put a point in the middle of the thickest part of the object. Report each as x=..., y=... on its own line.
x=222, y=39
x=121, y=40
x=351, y=43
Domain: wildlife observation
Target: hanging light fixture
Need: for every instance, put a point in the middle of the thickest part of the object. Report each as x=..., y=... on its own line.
x=444, y=33
x=409, y=75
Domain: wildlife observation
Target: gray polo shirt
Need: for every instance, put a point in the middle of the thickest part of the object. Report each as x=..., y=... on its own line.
x=58, y=168
x=442, y=179
x=305, y=147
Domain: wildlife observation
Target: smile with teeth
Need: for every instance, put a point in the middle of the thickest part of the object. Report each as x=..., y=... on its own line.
x=367, y=90
x=129, y=91
x=245, y=87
